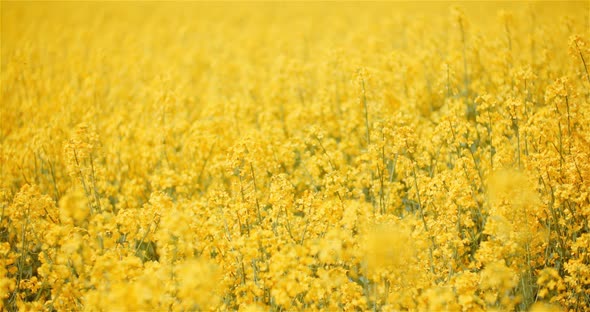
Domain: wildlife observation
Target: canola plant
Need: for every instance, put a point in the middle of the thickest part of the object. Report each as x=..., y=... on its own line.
x=295, y=156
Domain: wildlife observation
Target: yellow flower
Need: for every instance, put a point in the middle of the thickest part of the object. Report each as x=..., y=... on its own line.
x=73, y=207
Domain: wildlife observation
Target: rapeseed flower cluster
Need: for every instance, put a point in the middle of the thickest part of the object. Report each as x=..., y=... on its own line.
x=290, y=157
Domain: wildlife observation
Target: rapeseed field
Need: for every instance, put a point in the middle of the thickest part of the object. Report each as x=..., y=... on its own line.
x=288, y=156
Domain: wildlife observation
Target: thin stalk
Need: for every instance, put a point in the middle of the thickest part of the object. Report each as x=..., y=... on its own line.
x=366, y=112
x=255, y=193
x=583, y=62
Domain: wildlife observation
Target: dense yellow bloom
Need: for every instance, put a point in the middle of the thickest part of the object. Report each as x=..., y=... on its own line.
x=290, y=157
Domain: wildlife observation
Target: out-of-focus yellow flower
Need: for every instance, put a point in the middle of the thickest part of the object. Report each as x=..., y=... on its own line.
x=198, y=284
x=73, y=207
